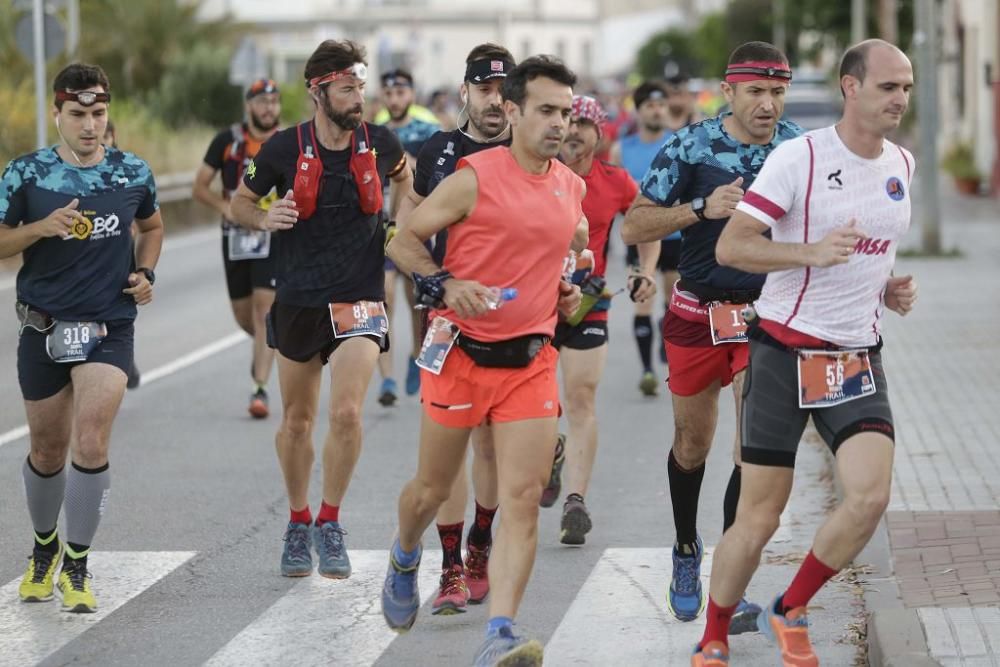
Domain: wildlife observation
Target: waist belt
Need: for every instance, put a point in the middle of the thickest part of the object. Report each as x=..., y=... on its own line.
x=512, y=353
x=29, y=317
x=707, y=294
x=757, y=333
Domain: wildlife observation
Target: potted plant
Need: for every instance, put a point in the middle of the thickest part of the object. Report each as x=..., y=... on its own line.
x=960, y=162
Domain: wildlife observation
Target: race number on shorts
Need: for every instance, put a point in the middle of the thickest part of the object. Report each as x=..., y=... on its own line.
x=248, y=244
x=727, y=323
x=440, y=338
x=832, y=377
x=73, y=341
x=362, y=318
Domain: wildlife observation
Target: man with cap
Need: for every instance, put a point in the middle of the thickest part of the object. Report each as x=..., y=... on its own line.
x=693, y=186
x=412, y=132
x=249, y=257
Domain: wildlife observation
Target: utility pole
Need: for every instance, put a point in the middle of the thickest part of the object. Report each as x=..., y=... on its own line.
x=38, y=32
x=925, y=42
x=779, y=36
x=857, y=21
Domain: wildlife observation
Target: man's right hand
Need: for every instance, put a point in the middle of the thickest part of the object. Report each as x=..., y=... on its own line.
x=837, y=246
x=282, y=214
x=722, y=202
x=60, y=221
x=466, y=297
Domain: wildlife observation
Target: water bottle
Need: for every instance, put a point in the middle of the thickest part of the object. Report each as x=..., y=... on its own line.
x=499, y=295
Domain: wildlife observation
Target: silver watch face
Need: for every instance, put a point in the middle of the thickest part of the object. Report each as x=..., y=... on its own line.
x=698, y=204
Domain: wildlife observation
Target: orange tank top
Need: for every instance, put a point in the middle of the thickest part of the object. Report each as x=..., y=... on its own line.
x=517, y=235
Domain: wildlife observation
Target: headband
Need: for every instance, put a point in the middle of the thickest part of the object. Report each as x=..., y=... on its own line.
x=391, y=79
x=261, y=87
x=756, y=70
x=84, y=97
x=357, y=70
x=486, y=69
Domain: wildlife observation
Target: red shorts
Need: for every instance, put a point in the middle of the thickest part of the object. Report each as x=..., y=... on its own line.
x=695, y=365
x=465, y=395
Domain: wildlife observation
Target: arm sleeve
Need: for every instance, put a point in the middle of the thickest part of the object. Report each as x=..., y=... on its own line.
x=264, y=172
x=629, y=190
x=12, y=200
x=669, y=174
x=215, y=155
x=778, y=185
x=149, y=204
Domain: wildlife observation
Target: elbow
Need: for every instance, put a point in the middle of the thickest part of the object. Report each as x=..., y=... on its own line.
x=628, y=233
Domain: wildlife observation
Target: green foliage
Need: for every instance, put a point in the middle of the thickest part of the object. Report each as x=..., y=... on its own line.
x=195, y=88
x=960, y=162
x=296, y=105
x=672, y=48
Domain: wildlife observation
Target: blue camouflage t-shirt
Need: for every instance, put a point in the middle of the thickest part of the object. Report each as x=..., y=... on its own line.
x=693, y=163
x=82, y=276
x=414, y=134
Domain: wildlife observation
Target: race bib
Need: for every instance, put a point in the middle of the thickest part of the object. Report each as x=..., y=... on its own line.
x=363, y=318
x=832, y=377
x=74, y=341
x=440, y=338
x=727, y=323
x=248, y=244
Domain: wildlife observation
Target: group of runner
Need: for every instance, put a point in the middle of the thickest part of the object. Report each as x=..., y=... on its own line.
x=787, y=242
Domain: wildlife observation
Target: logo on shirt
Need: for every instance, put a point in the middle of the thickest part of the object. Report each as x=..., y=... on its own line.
x=835, y=176
x=872, y=247
x=894, y=188
x=81, y=229
x=251, y=170
x=95, y=227
x=449, y=149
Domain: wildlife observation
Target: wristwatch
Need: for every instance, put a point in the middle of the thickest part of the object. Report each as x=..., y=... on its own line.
x=150, y=276
x=698, y=206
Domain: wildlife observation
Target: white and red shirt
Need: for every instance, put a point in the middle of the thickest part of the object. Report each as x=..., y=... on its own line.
x=808, y=187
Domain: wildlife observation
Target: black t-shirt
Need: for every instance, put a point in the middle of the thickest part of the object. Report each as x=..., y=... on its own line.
x=338, y=254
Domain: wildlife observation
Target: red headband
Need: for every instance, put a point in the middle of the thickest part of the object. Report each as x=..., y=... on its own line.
x=357, y=70
x=756, y=70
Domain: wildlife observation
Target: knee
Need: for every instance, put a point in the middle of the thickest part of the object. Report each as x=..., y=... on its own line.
x=690, y=446
x=431, y=493
x=581, y=398
x=757, y=525
x=297, y=424
x=520, y=502
x=866, y=508
x=91, y=448
x=346, y=415
x=47, y=458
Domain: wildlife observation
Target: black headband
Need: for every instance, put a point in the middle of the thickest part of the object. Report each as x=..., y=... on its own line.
x=486, y=69
x=390, y=79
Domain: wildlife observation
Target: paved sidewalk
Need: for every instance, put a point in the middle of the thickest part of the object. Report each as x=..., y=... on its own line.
x=935, y=587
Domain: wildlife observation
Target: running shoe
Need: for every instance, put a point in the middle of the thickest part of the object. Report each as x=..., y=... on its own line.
x=648, y=384
x=38, y=581
x=400, y=597
x=790, y=632
x=74, y=584
x=551, y=491
x=412, y=377
x=477, y=578
x=575, y=521
x=744, y=618
x=503, y=649
x=258, y=404
x=453, y=593
x=328, y=540
x=387, y=395
x=713, y=654
x=685, y=599
x=296, y=558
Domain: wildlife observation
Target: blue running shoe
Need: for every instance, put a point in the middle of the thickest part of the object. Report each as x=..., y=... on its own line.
x=387, y=395
x=685, y=599
x=503, y=649
x=329, y=542
x=744, y=618
x=412, y=377
x=400, y=597
x=296, y=558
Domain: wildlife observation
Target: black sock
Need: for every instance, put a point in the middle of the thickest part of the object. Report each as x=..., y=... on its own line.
x=574, y=496
x=451, y=544
x=78, y=549
x=50, y=546
x=732, y=498
x=481, y=530
x=642, y=326
x=685, y=486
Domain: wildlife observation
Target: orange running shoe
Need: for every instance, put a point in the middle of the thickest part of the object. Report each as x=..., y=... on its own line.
x=258, y=404
x=712, y=654
x=791, y=633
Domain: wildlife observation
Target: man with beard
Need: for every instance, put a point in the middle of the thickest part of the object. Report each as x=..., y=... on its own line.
x=328, y=306
x=681, y=110
x=495, y=363
x=249, y=257
x=397, y=96
x=482, y=126
x=693, y=185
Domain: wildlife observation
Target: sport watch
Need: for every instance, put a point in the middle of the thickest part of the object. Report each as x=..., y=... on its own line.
x=698, y=206
x=150, y=276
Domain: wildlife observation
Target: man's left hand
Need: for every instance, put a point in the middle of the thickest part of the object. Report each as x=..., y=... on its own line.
x=140, y=288
x=901, y=294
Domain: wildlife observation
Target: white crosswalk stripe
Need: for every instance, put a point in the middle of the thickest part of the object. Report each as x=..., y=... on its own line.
x=30, y=632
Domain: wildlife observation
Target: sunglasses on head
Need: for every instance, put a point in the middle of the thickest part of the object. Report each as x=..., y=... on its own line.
x=84, y=97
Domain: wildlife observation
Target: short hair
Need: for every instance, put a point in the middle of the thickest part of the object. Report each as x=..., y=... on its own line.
x=80, y=76
x=855, y=60
x=515, y=86
x=489, y=51
x=331, y=56
x=678, y=80
x=648, y=89
x=757, y=52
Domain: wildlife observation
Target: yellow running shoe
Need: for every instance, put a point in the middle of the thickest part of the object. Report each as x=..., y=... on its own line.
x=74, y=584
x=36, y=586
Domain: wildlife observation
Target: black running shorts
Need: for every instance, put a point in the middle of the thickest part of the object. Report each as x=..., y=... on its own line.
x=246, y=275
x=300, y=333
x=670, y=255
x=584, y=336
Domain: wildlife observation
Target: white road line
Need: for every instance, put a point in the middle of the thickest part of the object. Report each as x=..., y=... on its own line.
x=159, y=373
x=333, y=622
x=33, y=631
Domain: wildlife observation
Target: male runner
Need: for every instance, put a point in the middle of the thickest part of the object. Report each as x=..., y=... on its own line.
x=836, y=203
x=483, y=126
x=583, y=347
x=328, y=306
x=69, y=209
x=397, y=96
x=249, y=257
x=693, y=185
x=497, y=362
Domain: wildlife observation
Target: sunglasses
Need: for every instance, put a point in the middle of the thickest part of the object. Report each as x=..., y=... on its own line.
x=83, y=97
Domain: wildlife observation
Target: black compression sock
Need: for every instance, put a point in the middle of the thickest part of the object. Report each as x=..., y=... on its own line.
x=685, y=486
x=642, y=326
x=732, y=498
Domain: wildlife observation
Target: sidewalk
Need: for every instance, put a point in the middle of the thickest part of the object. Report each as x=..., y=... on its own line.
x=934, y=592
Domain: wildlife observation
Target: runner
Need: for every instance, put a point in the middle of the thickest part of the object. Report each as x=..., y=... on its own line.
x=693, y=185
x=836, y=203
x=483, y=126
x=249, y=257
x=328, y=306
x=397, y=96
x=583, y=346
x=69, y=209
x=490, y=346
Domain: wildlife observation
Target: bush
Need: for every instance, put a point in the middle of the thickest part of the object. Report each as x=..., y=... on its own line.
x=17, y=132
x=196, y=89
x=960, y=162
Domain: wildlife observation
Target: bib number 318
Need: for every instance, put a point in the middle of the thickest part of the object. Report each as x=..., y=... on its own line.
x=73, y=341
